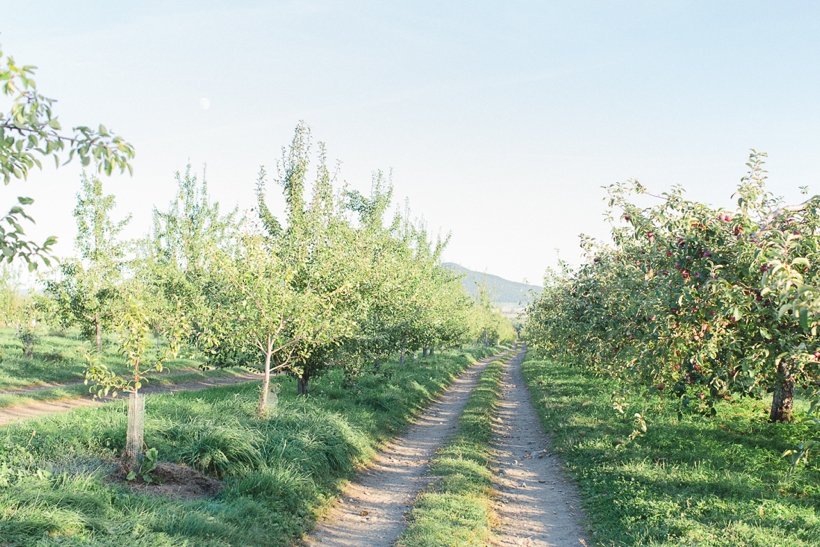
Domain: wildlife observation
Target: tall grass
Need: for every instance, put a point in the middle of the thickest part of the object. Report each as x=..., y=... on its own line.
x=279, y=473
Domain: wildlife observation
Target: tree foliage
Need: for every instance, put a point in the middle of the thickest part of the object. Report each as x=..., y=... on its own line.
x=29, y=131
x=87, y=292
x=331, y=283
x=695, y=301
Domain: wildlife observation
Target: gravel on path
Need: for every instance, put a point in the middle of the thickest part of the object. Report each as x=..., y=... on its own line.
x=371, y=510
x=538, y=505
x=42, y=408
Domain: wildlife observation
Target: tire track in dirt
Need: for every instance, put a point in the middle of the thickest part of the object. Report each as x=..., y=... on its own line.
x=44, y=408
x=538, y=506
x=371, y=510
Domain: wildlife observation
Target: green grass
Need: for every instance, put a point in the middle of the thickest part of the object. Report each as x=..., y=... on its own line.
x=697, y=481
x=457, y=510
x=279, y=473
x=75, y=391
x=57, y=361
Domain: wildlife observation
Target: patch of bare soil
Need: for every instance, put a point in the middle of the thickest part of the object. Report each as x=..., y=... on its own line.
x=538, y=504
x=173, y=481
x=371, y=510
x=42, y=408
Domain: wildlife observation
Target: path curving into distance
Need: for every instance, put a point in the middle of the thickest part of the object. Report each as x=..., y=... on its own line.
x=538, y=506
x=371, y=510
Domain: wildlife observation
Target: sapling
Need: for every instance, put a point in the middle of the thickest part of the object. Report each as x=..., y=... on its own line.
x=135, y=322
x=28, y=337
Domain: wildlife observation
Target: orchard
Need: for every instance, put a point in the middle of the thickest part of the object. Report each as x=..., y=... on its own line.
x=694, y=302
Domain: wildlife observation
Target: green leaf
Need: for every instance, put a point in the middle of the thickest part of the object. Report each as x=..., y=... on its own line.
x=804, y=318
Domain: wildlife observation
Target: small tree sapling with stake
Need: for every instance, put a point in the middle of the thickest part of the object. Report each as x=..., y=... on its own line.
x=136, y=321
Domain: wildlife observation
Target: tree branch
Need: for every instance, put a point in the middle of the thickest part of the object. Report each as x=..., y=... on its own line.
x=769, y=219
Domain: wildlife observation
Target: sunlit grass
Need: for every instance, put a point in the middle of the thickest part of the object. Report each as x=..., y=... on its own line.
x=457, y=509
x=57, y=361
x=693, y=481
x=279, y=472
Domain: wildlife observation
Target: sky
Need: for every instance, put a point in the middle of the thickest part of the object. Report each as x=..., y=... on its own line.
x=500, y=121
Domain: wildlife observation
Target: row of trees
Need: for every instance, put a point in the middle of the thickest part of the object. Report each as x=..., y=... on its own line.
x=695, y=301
x=330, y=284
x=333, y=283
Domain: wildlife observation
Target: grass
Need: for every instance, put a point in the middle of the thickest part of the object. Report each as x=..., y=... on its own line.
x=695, y=481
x=280, y=473
x=457, y=510
x=57, y=361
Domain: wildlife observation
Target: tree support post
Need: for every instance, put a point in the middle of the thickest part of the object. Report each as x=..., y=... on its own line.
x=135, y=431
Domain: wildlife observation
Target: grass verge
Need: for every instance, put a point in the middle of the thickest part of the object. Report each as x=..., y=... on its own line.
x=74, y=390
x=279, y=473
x=458, y=509
x=693, y=480
x=57, y=360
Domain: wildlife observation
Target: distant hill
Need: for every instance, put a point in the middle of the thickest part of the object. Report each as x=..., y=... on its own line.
x=505, y=293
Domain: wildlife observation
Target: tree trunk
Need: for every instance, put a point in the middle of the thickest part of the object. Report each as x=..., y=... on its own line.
x=98, y=327
x=263, y=397
x=376, y=364
x=431, y=352
x=401, y=357
x=424, y=351
x=135, y=432
x=302, y=384
x=783, y=396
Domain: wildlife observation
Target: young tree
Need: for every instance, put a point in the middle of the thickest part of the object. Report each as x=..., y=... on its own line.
x=87, y=293
x=253, y=306
x=135, y=320
x=177, y=257
x=12, y=301
x=324, y=259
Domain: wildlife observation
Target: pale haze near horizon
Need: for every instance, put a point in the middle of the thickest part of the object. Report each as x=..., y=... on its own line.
x=500, y=121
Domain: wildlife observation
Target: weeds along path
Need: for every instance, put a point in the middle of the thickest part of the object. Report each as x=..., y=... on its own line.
x=371, y=509
x=42, y=408
x=538, y=506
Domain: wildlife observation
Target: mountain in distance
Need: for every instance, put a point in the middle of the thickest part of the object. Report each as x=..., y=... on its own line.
x=510, y=296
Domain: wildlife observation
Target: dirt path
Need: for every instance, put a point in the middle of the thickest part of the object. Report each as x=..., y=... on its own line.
x=539, y=506
x=371, y=510
x=42, y=408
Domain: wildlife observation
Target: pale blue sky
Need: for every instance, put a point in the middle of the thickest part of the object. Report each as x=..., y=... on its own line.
x=501, y=121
